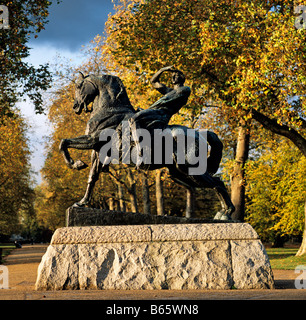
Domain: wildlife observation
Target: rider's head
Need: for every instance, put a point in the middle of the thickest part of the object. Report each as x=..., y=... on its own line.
x=178, y=77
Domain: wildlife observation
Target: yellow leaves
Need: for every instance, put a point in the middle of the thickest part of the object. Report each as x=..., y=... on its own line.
x=275, y=189
x=15, y=178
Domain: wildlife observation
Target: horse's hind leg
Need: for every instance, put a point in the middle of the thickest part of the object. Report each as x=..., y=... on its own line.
x=206, y=181
x=227, y=207
x=226, y=203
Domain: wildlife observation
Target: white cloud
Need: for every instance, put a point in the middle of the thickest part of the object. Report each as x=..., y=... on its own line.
x=72, y=23
x=42, y=54
x=40, y=127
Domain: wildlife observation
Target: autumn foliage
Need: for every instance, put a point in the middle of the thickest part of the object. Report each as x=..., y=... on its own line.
x=245, y=64
x=15, y=174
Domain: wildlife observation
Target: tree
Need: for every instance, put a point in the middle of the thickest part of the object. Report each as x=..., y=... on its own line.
x=120, y=174
x=15, y=174
x=247, y=56
x=26, y=18
x=159, y=193
x=146, y=194
x=265, y=66
x=275, y=193
x=238, y=175
x=132, y=190
x=190, y=203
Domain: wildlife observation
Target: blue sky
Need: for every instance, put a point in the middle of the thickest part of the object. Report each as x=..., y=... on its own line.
x=72, y=24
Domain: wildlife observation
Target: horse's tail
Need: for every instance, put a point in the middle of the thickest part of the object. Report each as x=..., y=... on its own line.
x=215, y=156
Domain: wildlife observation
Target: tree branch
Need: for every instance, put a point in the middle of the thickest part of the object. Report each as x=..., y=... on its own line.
x=283, y=130
x=117, y=180
x=303, y=123
x=213, y=77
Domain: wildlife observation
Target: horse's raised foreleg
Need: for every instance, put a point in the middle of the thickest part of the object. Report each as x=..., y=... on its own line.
x=85, y=142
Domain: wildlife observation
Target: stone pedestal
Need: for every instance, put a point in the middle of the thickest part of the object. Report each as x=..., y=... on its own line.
x=165, y=256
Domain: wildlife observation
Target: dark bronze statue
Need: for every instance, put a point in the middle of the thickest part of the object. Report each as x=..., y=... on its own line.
x=112, y=108
x=158, y=115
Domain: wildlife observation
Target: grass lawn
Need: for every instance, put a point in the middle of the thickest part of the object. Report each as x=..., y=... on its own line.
x=284, y=258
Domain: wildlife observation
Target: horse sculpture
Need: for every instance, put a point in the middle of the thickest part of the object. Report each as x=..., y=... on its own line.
x=111, y=107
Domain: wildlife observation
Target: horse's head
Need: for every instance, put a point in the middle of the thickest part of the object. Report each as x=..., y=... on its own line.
x=85, y=92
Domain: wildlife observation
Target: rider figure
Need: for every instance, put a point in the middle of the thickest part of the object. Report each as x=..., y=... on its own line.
x=158, y=115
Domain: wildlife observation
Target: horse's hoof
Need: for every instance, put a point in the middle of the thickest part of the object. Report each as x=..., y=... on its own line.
x=218, y=215
x=78, y=205
x=79, y=165
x=226, y=217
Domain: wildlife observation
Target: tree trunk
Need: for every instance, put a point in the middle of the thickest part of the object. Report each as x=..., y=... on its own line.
x=111, y=204
x=117, y=205
x=132, y=191
x=121, y=197
x=145, y=195
x=159, y=193
x=302, y=249
x=190, y=203
x=238, y=176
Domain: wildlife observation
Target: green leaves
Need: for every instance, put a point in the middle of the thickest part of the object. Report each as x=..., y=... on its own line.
x=276, y=191
x=15, y=174
x=18, y=77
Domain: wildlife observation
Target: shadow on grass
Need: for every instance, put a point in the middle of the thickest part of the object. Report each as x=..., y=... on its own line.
x=281, y=253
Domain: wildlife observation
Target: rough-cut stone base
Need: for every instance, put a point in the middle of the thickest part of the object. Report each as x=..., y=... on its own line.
x=190, y=256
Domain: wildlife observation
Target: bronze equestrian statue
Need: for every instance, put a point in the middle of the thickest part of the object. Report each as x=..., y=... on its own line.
x=111, y=108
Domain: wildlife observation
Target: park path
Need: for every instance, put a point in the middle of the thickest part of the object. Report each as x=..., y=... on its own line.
x=23, y=263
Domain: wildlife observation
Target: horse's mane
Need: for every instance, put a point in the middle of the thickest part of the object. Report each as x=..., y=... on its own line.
x=115, y=89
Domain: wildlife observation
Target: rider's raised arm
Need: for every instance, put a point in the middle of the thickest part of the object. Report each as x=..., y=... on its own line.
x=155, y=81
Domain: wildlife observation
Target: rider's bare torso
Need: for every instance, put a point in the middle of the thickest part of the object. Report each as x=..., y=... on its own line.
x=158, y=115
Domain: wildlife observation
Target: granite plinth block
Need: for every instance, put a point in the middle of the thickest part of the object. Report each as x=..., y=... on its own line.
x=161, y=256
